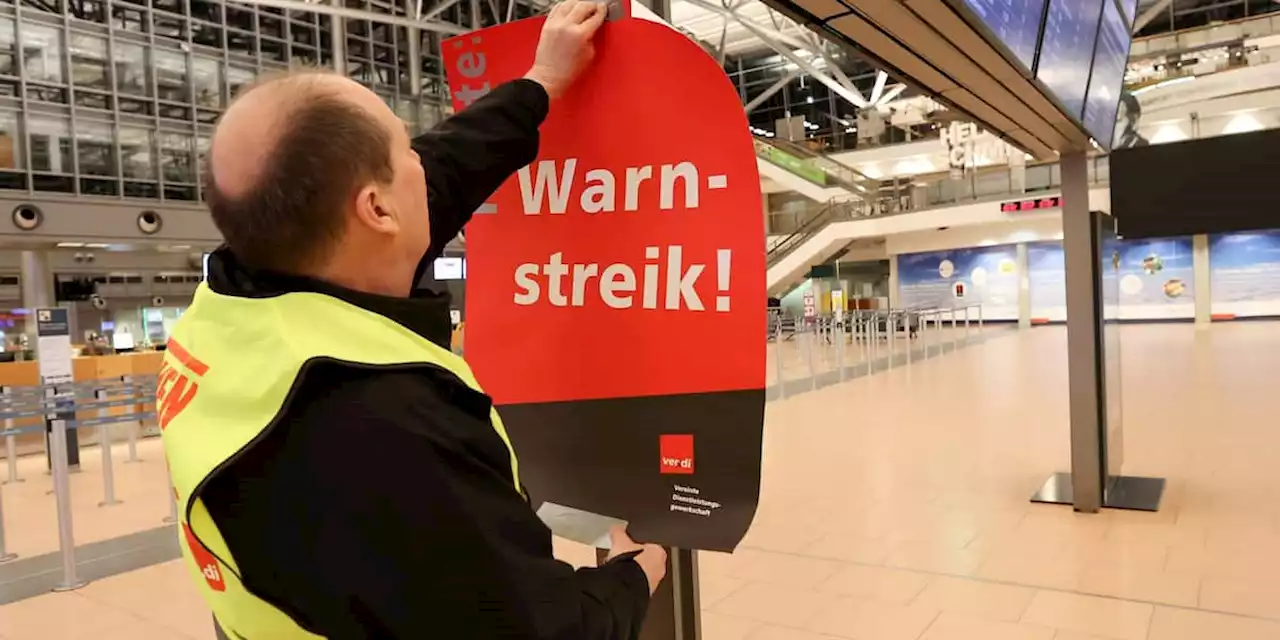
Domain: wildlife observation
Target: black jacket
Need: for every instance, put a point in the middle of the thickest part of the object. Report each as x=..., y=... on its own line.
x=381, y=505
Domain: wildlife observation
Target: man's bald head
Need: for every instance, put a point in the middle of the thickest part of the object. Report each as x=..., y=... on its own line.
x=285, y=160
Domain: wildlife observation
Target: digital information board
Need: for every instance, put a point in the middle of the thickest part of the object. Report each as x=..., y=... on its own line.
x=1130, y=10
x=1066, y=51
x=1109, y=61
x=1016, y=23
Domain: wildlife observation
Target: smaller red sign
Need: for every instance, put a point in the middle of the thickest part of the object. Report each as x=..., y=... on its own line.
x=1039, y=204
x=676, y=453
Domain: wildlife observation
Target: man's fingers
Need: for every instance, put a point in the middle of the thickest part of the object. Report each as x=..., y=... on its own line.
x=618, y=534
x=580, y=12
x=559, y=8
x=592, y=23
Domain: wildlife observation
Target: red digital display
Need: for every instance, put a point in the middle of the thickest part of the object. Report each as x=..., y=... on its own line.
x=1039, y=204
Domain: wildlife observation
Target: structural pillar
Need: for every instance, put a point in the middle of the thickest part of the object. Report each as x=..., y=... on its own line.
x=1203, y=285
x=893, y=281
x=37, y=286
x=1084, y=335
x=1024, y=287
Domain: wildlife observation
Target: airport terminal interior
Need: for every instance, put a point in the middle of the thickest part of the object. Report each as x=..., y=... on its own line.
x=932, y=255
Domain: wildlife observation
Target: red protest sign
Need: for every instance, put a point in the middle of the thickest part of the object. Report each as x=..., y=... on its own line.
x=631, y=241
x=616, y=286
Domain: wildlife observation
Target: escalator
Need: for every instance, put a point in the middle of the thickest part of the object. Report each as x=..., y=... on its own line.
x=810, y=173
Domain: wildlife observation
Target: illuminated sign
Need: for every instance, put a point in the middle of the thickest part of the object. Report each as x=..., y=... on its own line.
x=1039, y=204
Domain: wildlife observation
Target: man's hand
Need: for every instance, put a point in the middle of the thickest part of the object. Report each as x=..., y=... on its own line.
x=652, y=558
x=565, y=47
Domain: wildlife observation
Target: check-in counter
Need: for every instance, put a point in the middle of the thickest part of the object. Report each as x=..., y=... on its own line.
x=27, y=374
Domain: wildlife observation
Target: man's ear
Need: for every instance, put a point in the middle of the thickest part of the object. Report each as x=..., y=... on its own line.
x=374, y=211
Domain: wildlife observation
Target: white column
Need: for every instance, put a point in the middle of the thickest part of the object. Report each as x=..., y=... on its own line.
x=1024, y=288
x=37, y=285
x=1204, y=291
x=893, y=281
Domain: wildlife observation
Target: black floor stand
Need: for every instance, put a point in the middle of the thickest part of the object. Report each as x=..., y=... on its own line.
x=1123, y=492
x=674, y=611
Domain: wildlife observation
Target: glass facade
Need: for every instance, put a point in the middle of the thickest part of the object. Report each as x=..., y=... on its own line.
x=118, y=98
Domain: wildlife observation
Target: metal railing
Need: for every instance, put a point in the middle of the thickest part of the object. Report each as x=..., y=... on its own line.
x=810, y=353
x=812, y=167
x=59, y=410
x=937, y=190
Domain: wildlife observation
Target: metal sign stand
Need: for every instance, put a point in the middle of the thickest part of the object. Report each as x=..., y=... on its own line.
x=1096, y=423
x=675, y=612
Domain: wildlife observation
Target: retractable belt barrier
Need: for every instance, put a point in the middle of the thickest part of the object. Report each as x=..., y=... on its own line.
x=62, y=407
x=881, y=339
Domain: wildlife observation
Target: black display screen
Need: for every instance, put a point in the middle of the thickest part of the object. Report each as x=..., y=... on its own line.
x=1066, y=51
x=1016, y=23
x=1107, y=80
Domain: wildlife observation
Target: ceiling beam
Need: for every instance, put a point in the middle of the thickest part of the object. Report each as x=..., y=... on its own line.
x=1150, y=14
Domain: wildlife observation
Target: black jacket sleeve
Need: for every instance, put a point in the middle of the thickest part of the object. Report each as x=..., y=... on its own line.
x=469, y=155
x=427, y=536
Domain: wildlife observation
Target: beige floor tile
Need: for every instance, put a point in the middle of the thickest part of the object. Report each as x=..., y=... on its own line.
x=769, y=632
x=148, y=631
x=773, y=604
x=877, y=583
x=956, y=626
x=1247, y=597
x=867, y=620
x=1072, y=635
x=1106, y=617
x=729, y=564
x=1170, y=623
x=934, y=558
x=715, y=587
x=789, y=570
x=850, y=547
x=716, y=626
x=982, y=599
x=61, y=616
x=1165, y=587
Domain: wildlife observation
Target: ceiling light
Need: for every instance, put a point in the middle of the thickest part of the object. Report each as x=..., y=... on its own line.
x=70, y=245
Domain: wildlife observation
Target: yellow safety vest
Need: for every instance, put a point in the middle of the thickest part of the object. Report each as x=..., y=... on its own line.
x=227, y=375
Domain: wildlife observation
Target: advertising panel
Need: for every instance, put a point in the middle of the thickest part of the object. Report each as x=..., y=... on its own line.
x=1047, y=275
x=959, y=277
x=1156, y=279
x=1244, y=274
x=614, y=286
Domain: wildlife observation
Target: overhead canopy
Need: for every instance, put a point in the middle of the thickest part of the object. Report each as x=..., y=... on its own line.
x=1025, y=69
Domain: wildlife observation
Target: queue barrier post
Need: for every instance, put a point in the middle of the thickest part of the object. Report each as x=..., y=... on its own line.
x=62, y=496
x=840, y=349
x=104, y=445
x=172, y=518
x=11, y=453
x=954, y=337
x=133, y=426
x=5, y=556
x=10, y=439
x=777, y=362
x=811, y=329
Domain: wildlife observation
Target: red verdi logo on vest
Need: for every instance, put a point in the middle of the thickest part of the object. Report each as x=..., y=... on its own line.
x=616, y=286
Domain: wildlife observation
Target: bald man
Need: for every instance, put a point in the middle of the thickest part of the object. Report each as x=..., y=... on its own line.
x=340, y=472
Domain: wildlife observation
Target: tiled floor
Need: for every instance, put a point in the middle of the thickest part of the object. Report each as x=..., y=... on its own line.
x=895, y=507
x=140, y=488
